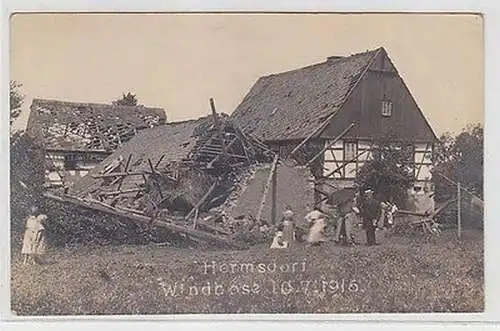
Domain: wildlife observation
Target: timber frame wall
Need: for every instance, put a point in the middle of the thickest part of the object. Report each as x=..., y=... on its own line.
x=349, y=155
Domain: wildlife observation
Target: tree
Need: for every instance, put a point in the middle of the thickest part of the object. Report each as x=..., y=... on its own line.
x=16, y=99
x=127, y=99
x=459, y=158
x=389, y=172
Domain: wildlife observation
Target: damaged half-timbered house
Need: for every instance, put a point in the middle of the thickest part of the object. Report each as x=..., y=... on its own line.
x=75, y=137
x=330, y=115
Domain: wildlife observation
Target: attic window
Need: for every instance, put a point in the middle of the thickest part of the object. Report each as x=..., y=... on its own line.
x=386, y=108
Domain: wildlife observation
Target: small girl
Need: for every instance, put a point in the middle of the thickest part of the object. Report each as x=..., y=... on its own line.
x=288, y=225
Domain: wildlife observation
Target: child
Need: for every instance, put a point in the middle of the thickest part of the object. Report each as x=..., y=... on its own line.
x=278, y=240
x=288, y=225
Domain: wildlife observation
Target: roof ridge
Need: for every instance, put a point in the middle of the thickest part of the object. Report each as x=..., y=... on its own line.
x=341, y=59
x=90, y=104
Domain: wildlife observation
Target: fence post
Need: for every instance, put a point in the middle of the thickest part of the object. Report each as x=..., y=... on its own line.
x=274, y=194
x=459, y=211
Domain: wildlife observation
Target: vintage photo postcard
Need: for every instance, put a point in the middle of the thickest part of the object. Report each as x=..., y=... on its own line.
x=246, y=163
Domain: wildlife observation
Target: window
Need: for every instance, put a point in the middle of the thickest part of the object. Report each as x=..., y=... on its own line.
x=350, y=151
x=386, y=108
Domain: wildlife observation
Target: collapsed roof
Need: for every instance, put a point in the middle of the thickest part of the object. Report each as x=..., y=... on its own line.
x=63, y=125
x=179, y=158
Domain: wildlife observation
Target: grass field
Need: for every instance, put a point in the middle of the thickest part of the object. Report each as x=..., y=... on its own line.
x=401, y=275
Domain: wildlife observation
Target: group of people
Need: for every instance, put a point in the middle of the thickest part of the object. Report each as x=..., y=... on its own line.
x=373, y=213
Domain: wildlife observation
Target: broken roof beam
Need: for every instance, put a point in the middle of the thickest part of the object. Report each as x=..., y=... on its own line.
x=218, y=127
x=145, y=220
x=125, y=170
x=313, y=133
x=118, y=174
x=211, y=163
x=342, y=134
x=202, y=200
x=132, y=190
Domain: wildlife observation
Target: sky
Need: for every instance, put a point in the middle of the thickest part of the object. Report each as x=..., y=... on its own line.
x=179, y=61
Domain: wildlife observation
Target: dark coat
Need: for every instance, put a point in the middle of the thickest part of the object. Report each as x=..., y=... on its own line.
x=369, y=210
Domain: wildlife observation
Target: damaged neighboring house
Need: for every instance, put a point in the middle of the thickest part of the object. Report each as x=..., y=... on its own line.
x=75, y=137
x=328, y=115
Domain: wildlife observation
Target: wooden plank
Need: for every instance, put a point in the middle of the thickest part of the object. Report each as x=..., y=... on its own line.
x=266, y=188
x=159, y=161
x=119, y=174
x=204, y=225
x=153, y=179
x=202, y=200
x=337, y=138
x=120, y=192
x=143, y=219
x=211, y=163
x=125, y=170
x=218, y=127
x=195, y=218
x=274, y=197
x=151, y=166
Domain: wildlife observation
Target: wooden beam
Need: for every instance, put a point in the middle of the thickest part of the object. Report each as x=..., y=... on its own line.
x=202, y=200
x=125, y=170
x=211, y=163
x=274, y=197
x=118, y=174
x=159, y=161
x=421, y=161
x=312, y=134
x=218, y=127
x=202, y=224
x=337, y=138
x=347, y=162
x=151, y=166
x=144, y=219
x=120, y=192
x=266, y=188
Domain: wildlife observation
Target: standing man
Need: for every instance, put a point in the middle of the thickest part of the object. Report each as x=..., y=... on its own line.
x=369, y=213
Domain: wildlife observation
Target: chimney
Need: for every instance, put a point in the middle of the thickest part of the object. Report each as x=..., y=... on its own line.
x=333, y=58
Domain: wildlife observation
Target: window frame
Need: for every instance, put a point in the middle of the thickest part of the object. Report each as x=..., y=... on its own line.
x=386, y=108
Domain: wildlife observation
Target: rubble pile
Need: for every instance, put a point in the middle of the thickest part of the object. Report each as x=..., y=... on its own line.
x=178, y=177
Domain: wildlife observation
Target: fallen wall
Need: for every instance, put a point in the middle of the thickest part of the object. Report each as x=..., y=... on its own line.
x=295, y=188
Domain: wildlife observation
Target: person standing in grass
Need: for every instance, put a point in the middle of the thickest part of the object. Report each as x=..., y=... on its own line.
x=288, y=226
x=317, y=222
x=369, y=213
x=33, y=241
x=346, y=221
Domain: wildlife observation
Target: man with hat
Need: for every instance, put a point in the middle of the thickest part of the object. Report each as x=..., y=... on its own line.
x=369, y=213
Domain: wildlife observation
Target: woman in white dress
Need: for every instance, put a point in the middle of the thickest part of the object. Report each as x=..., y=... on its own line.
x=33, y=241
x=317, y=222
